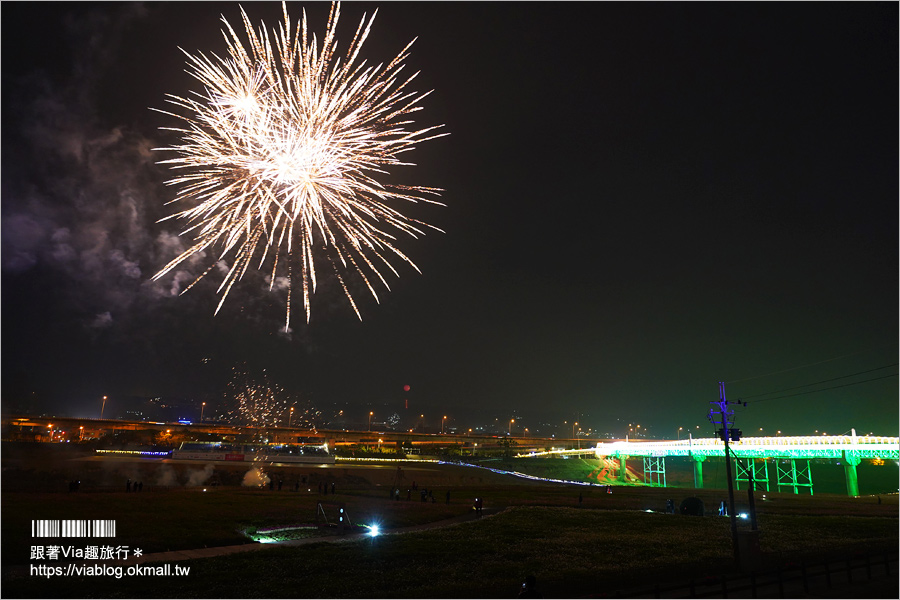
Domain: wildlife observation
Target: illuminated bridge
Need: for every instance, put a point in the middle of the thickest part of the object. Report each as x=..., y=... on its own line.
x=791, y=456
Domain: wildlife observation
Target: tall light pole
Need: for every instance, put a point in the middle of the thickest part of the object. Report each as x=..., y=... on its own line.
x=442, y=424
x=370, y=420
x=573, y=429
x=511, y=421
x=102, y=408
x=291, y=417
x=202, y=406
x=679, y=432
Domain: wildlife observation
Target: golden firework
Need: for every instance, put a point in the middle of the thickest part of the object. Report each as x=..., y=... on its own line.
x=281, y=156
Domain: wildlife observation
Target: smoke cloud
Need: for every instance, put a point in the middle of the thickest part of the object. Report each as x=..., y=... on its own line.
x=255, y=477
x=166, y=477
x=200, y=477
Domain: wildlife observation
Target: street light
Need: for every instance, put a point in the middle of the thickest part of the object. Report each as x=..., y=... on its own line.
x=370, y=420
x=442, y=424
x=679, y=432
x=511, y=421
x=202, y=406
x=573, y=428
x=81, y=436
x=102, y=408
x=291, y=417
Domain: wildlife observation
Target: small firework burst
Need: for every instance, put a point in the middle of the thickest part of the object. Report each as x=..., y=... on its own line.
x=259, y=404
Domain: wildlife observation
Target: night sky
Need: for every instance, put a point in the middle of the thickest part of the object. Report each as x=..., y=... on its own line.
x=642, y=200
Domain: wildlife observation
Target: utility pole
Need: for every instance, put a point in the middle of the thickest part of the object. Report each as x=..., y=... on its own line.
x=725, y=418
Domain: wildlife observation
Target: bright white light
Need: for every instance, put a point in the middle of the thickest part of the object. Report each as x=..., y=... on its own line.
x=373, y=530
x=743, y=515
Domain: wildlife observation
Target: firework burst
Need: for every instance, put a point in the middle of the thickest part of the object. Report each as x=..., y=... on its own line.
x=281, y=157
x=256, y=403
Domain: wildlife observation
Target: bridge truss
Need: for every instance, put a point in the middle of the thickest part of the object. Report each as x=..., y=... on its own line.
x=792, y=454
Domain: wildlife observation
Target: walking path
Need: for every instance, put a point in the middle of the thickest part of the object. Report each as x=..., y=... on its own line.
x=179, y=555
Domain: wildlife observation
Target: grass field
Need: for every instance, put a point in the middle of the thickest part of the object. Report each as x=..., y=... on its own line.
x=604, y=543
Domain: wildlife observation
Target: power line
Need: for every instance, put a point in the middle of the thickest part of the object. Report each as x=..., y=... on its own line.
x=807, y=365
x=797, y=387
x=828, y=388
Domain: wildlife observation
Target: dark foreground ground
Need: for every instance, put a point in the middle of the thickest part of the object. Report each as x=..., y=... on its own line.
x=601, y=545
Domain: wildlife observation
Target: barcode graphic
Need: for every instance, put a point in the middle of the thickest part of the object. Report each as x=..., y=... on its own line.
x=73, y=528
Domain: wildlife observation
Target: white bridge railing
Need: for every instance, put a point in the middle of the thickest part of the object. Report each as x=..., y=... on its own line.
x=822, y=446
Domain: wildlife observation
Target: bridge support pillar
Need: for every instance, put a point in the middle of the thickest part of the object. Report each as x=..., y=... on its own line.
x=655, y=469
x=697, y=461
x=622, y=467
x=850, y=463
x=793, y=477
